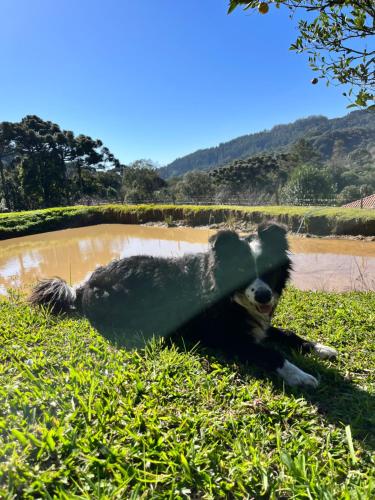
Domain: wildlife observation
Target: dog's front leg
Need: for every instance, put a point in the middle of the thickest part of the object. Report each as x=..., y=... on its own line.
x=293, y=341
x=271, y=360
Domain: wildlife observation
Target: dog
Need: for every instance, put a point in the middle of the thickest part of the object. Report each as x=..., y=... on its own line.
x=224, y=299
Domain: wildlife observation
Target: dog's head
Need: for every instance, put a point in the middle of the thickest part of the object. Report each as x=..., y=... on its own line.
x=269, y=251
x=233, y=263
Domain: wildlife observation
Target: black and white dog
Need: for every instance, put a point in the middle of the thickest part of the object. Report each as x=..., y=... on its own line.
x=224, y=298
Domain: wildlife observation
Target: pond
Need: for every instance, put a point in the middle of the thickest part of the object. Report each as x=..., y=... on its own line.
x=319, y=264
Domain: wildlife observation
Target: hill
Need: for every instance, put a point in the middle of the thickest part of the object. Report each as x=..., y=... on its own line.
x=353, y=134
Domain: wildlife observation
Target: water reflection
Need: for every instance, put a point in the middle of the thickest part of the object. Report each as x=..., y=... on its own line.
x=74, y=253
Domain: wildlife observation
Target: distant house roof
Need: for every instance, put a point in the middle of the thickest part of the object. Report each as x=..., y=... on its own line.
x=367, y=202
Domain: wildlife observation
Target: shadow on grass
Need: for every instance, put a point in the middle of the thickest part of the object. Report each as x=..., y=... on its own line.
x=338, y=399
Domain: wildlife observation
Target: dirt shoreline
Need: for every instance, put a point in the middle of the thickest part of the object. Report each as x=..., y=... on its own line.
x=328, y=222
x=251, y=228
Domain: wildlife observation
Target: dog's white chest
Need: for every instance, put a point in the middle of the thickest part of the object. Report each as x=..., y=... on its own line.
x=258, y=333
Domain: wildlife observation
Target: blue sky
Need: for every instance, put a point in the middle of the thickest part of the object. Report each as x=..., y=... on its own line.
x=155, y=79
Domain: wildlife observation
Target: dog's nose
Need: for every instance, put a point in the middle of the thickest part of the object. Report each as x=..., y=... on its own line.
x=263, y=295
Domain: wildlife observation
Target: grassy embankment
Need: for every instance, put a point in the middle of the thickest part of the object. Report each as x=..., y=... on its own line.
x=81, y=418
x=321, y=221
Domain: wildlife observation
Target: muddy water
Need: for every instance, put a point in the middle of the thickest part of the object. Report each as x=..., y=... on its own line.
x=74, y=253
x=333, y=265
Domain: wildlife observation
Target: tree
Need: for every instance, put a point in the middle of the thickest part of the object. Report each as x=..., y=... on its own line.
x=30, y=183
x=255, y=176
x=140, y=181
x=335, y=34
x=46, y=138
x=308, y=184
x=348, y=194
x=40, y=152
x=194, y=186
x=7, y=153
x=41, y=169
x=304, y=153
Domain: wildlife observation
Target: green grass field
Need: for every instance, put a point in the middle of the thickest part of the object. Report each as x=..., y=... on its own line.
x=82, y=418
x=315, y=220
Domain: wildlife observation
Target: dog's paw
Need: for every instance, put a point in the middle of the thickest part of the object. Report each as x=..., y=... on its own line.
x=325, y=352
x=293, y=376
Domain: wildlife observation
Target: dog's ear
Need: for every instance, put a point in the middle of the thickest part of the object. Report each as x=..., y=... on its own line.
x=273, y=233
x=224, y=242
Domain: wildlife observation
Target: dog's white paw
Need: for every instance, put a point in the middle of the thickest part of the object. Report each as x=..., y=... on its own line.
x=325, y=352
x=295, y=376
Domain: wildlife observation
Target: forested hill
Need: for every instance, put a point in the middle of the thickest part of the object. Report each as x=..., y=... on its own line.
x=354, y=131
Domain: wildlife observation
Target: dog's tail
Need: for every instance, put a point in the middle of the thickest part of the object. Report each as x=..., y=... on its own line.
x=54, y=293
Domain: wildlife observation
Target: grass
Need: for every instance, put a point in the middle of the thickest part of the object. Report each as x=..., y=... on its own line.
x=318, y=220
x=82, y=418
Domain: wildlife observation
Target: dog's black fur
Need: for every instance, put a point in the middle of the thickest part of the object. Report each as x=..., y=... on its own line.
x=223, y=298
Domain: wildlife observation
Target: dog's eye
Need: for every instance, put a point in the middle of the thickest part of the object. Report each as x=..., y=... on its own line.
x=251, y=289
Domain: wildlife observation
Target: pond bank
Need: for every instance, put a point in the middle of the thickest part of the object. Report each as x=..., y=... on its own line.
x=249, y=228
x=328, y=221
